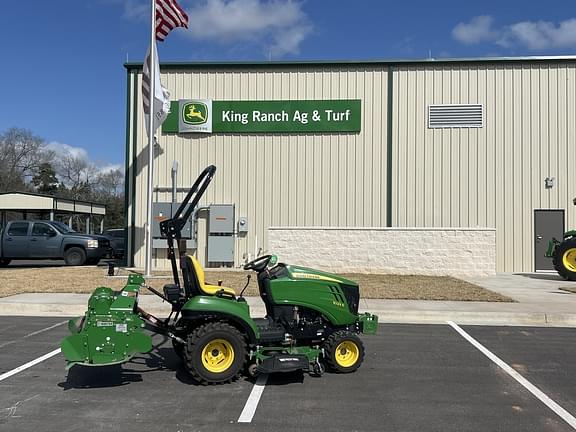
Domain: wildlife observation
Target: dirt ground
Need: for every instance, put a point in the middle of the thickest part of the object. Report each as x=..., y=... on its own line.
x=85, y=279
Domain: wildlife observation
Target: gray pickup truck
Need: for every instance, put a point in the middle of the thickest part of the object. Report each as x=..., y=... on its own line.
x=31, y=240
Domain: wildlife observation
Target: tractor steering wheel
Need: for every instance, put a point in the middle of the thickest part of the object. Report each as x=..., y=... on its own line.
x=258, y=264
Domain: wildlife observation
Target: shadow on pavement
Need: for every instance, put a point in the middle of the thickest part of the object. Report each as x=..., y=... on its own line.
x=159, y=359
x=542, y=276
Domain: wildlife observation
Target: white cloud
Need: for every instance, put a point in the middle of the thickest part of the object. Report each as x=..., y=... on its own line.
x=136, y=9
x=280, y=25
x=533, y=35
x=541, y=35
x=479, y=29
x=104, y=169
x=61, y=150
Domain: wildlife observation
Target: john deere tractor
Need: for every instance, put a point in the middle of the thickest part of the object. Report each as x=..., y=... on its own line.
x=312, y=320
x=563, y=254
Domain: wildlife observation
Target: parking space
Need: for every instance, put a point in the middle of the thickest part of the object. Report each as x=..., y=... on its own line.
x=545, y=356
x=23, y=339
x=415, y=377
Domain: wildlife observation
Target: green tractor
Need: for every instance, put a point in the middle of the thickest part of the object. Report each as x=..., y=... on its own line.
x=563, y=254
x=312, y=320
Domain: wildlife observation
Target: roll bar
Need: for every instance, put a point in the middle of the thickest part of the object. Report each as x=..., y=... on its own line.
x=172, y=228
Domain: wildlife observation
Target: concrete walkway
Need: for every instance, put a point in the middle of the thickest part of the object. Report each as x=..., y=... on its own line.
x=539, y=302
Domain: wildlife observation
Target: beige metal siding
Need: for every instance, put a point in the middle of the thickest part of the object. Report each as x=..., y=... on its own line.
x=23, y=202
x=491, y=176
x=65, y=205
x=274, y=179
x=98, y=209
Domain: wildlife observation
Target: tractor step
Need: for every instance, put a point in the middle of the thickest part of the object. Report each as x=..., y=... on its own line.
x=284, y=363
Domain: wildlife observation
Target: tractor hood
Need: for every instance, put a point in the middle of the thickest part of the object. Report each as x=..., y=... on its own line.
x=305, y=273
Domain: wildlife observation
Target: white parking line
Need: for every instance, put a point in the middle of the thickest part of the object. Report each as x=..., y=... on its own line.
x=33, y=334
x=29, y=364
x=253, y=399
x=565, y=415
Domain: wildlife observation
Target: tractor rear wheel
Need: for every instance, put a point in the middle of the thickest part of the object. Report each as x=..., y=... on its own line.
x=565, y=259
x=344, y=351
x=215, y=353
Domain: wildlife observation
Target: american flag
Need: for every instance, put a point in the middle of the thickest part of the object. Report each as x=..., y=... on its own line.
x=169, y=15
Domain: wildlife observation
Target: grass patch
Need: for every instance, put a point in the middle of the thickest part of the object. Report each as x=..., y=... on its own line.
x=85, y=279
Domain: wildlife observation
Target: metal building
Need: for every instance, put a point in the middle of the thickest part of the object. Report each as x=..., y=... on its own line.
x=438, y=143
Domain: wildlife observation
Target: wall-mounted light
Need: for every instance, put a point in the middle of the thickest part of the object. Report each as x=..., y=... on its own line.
x=549, y=182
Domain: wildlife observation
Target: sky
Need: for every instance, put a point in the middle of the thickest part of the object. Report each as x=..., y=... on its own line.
x=62, y=72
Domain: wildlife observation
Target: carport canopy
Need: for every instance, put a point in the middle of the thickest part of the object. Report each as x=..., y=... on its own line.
x=27, y=202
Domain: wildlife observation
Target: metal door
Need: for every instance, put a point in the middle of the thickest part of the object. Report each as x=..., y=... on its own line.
x=44, y=242
x=16, y=240
x=548, y=224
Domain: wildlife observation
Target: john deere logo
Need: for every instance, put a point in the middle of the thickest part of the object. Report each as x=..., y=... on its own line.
x=195, y=113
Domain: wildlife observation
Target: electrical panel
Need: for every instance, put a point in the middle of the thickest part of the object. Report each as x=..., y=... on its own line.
x=221, y=219
x=221, y=249
x=221, y=227
x=162, y=211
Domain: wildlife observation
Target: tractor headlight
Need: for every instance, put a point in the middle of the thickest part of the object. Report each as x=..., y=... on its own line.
x=92, y=244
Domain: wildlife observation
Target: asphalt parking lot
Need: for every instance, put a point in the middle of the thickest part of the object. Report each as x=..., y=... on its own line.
x=414, y=378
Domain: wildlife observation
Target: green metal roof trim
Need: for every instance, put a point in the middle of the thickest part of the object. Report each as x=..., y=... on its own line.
x=399, y=62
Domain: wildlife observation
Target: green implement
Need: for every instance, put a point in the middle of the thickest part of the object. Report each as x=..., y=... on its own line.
x=111, y=330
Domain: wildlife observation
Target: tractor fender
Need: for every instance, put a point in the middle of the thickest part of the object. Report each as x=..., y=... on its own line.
x=554, y=243
x=237, y=312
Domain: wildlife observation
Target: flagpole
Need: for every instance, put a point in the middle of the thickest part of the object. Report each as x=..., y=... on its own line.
x=150, y=189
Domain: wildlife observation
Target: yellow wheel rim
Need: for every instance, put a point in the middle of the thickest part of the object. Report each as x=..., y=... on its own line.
x=347, y=353
x=569, y=259
x=217, y=355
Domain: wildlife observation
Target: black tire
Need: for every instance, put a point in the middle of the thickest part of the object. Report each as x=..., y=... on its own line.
x=75, y=256
x=179, y=349
x=564, y=259
x=215, y=353
x=344, y=352
x=4, y=262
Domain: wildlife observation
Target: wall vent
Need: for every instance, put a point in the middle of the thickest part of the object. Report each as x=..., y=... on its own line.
x=456, y=116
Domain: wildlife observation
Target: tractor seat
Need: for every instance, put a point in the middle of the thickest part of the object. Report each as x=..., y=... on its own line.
x=205, y=288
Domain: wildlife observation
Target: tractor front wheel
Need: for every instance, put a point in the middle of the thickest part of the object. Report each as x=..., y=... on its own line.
x=344, y=351
x=215, y=353
x=565, y=259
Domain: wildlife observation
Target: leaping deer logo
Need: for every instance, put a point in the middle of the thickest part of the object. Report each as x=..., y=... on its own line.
x=194, y=113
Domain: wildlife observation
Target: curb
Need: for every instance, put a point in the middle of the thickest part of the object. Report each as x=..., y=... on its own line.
x=537, y=319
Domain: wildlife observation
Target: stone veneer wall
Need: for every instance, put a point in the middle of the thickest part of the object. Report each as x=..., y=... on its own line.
x=456, y=252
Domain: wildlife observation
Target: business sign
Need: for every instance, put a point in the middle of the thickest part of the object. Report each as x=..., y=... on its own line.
x=291, y=116
x=194, y=115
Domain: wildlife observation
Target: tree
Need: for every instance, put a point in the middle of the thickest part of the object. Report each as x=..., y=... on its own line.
x=78, y=175
x=21, y=154
x=108, y=189
x=110, y=183
x=45, y=180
